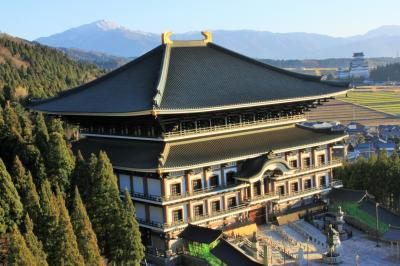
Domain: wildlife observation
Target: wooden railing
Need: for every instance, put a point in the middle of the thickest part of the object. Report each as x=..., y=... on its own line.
x=232, y=126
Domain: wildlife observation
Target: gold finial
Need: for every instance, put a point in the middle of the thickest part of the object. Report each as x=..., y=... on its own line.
x=165, y=37
x=207, y=35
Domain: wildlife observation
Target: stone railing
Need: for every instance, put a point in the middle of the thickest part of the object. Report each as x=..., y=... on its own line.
x=310, y=168
x=302, y=192
x=212, y=129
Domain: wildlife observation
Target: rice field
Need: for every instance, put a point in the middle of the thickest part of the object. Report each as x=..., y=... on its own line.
x=383, y=101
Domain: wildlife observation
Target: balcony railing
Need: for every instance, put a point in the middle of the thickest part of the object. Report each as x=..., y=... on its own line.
x=310, y=168
x=265, y=196
x=193, y=219
x=138, y=195
x=211, y=129
x=302, y=192
x=199, y=192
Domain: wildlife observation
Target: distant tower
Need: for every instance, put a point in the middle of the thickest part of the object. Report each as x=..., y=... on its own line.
x=359, y=66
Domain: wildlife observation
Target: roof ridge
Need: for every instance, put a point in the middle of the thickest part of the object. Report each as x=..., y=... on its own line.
x=162, y=80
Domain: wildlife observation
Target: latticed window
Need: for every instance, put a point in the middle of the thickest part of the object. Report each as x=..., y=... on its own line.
x=196, y=184
x=215, y=206
x=214, y=181
x=294, y=187
x=321, y=159
x=230, y=178
x=176, y=189
x=198, y=210
x=177, y=215
x=231, y=202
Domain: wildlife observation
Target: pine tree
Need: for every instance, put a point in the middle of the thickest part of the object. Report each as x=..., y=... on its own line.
x=26, y=189
x=105, y=209
x=56, y=125
x=41, y=133
x=18, y=252
x=60, y=162
x=68, y=251
x=133, y=247
x=86, y=238
x=48, y=225
x=80, y=176
x=3, y=226
x=34, y=244
x=9, y=199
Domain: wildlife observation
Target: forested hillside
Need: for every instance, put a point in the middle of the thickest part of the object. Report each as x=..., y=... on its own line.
x=37, y=71
x=390, y=72
x=56, y=208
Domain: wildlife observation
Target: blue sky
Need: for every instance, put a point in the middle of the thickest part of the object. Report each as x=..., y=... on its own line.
x=31, y=19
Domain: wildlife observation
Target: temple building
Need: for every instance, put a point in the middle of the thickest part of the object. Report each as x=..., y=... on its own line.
x=200, y=134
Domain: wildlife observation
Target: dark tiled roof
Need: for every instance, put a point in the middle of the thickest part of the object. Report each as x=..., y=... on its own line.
x=130, y=88
x=248, y=144
x=123, y=153
x=200, y=234
x=232, y=256
x=252, y=166
x=188, y=79
x=392, y=235
x=347, y=195
x=384, y=215
x=212, y=76
x=137, y=154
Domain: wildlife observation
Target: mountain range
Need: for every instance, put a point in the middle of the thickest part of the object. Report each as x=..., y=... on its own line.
x=109, y=37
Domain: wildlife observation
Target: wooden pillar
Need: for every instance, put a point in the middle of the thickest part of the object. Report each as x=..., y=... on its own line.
x=300, y=160
x=205, y=177
x=187, y=182
x=251, y=190
x=164, y=187
x=262, y=188
x=165, y=214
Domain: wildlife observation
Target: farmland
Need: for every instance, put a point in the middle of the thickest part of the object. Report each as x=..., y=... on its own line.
x=387, y=101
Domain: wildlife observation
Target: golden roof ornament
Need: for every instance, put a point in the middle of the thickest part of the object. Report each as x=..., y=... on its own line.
x=166, y=37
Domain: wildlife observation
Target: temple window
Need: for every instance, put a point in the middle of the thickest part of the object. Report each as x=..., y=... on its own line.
x=176, y=189
x=197, y=184
x=293, y=163
x=215, y=206
x=257, y=188
x=322, y=181
x=214, y=181
x=281, y=190
x=294, y=187
x=307, y=184
x=321, y=159
x=177, y=215
x=198, y=210
x=230, y=180
x=231, y=202
x=306, y=162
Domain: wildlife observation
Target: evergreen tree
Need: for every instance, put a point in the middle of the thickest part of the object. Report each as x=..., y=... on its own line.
x=41, y=133
x=133, y=247
x=18, y=252
x=34, y=244
x=81, y=176
x=68, y=251
x=26, y=189
x=3, y=226
x=48, y=225
x=105, y=209
x=9, y=199
x=56, y=125
x=86, y=238
x=60, y=162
